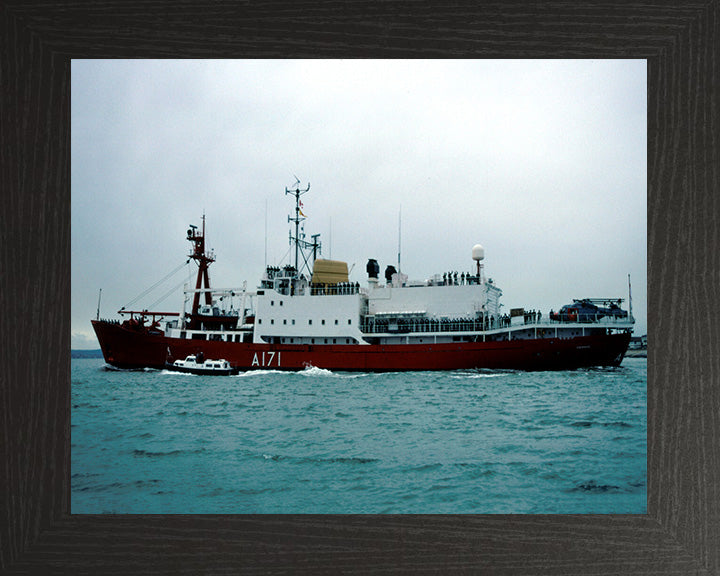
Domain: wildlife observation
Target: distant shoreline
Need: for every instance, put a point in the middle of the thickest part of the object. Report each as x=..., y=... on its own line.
x=636, y=353
x=86, y=353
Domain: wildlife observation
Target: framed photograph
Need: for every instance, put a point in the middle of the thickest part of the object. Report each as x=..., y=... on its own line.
x=676, y=531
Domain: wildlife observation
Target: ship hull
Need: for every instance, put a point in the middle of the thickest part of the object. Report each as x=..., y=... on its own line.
x=127, y=348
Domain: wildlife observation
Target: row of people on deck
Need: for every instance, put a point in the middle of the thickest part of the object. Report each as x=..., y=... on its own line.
x=452, y=278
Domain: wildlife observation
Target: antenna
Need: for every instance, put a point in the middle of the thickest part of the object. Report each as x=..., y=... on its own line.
x=629, y=298
x=98, y=308
x=399, y=236
x=265, y=233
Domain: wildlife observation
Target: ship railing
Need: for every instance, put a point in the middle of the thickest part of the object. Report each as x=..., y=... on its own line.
x=487, y=324
x=591, y=318
x=404, y=326
x=341, y=288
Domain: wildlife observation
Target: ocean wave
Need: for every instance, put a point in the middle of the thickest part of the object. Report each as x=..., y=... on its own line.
x=84, y=475
x=178, y=452
x=593, y=486
x=350, y=460
x=318, y=460
x=100, y=487
x=589, y=423
x=477, y=375
x=424, y=467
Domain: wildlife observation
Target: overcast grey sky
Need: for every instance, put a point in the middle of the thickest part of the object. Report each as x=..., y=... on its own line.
x=542, y=162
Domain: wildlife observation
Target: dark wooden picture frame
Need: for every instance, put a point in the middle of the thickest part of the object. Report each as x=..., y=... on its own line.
x=680, y=534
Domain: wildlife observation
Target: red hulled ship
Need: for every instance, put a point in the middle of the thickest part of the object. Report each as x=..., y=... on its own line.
x=310, y=314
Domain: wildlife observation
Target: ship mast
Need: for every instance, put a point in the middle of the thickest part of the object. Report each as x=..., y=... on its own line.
x=300, y=243
x=203, y=260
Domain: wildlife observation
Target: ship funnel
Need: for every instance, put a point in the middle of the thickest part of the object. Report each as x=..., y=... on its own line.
x=389, y=271
x=372, y=268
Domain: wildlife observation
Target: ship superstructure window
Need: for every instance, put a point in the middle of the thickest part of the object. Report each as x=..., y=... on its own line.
x=272, y=302
x=349, y=321
x=293, y=322
x=281, y=302
x=310, y=321
x=336, y=322
x=272, y=321
x=284, y=321
x=323, y=322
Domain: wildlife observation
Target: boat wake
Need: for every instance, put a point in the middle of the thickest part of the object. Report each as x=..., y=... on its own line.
x=258, y=373
x=474, y=375
x=111, y=368
x=315, y=371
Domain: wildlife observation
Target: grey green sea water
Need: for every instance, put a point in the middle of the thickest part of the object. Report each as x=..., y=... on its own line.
x=467, y=442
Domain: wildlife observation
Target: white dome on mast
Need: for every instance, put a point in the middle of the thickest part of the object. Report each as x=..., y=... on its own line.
x=478, y=254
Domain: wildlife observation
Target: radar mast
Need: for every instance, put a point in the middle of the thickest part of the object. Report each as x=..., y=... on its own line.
x=301, y=245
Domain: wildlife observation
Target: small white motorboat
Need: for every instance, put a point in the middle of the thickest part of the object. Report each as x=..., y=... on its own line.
x=196, y=364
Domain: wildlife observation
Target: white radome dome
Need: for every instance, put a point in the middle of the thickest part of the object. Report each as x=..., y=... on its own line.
x=478, y=253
